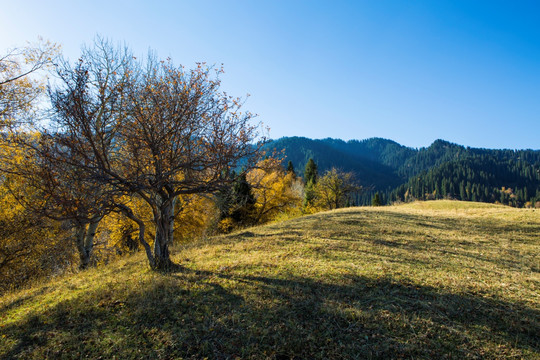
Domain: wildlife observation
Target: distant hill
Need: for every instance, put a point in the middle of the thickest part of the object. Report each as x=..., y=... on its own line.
x=442, y=170
x=370, y=164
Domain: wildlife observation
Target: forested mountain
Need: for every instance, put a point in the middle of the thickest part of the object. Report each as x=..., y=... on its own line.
x=373, y=161
x=495, y=176
x=442, y=170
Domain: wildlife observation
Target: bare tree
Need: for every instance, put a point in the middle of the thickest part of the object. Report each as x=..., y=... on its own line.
x=163, y=132
x=64, y=193
x=60, y=162
x=18, y=90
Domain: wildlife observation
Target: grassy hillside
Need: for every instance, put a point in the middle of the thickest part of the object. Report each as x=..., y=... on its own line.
x=425, y=280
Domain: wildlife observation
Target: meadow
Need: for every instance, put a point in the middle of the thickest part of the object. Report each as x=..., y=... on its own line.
x=439, y=279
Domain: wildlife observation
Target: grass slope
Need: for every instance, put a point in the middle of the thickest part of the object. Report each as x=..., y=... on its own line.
x=425, y=280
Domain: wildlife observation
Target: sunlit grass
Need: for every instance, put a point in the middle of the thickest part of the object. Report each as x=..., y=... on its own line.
x=424, y=280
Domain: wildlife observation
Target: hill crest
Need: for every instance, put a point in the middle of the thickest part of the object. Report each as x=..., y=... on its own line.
x=442, y=170
x=336, y=284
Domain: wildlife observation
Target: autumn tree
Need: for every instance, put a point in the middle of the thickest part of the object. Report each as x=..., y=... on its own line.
x=31, y=245
x=64, y=193
x=333, y=189
x=59, y=164
x=166, y=132
x=19, y=89
x=276, y=191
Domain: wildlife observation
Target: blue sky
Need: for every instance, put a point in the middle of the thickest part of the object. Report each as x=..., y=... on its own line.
x=411, y=71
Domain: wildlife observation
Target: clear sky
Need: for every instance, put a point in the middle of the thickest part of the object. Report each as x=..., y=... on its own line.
x=411, y=71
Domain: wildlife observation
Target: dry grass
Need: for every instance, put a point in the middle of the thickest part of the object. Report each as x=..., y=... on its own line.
x=426, y=280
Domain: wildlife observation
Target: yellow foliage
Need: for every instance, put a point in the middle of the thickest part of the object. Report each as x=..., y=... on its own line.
x=119, y=235
x=276, y=192
x=312, y=209
x=195, y=217
x=30, y=246
x=19, y=88
x=333, y=189
x=226, y=225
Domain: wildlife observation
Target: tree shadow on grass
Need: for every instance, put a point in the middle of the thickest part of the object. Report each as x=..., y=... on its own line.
x=440, y=222
x=198, y=314
x=21, y=300
x=414, y=234
x=247, y=235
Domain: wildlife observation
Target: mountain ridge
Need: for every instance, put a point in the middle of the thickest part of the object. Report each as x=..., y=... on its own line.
x=383, y=165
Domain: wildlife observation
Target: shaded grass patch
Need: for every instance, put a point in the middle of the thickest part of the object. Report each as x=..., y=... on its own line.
x=394, y=282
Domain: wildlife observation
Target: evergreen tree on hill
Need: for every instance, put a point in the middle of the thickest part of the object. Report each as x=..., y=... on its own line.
x=290, y=169
x=243, y=201
x=310, y=174
x=310, y=179
x=376, y=200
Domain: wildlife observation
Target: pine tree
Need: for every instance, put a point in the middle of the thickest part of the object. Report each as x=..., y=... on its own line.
x=376, y=201
x=309, y=194
x=237, y=201
x=242, y=200
x=310, y=173
x=290, y=169
x=310, y=179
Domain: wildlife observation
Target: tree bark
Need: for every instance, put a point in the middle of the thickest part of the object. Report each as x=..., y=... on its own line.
x=80, y=231
x=142, y=228
x=84, y=239
x=164, y=220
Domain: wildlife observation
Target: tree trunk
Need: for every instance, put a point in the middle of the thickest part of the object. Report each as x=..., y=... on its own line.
x=84, y=238
x=129, y=213
x=164, y=220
